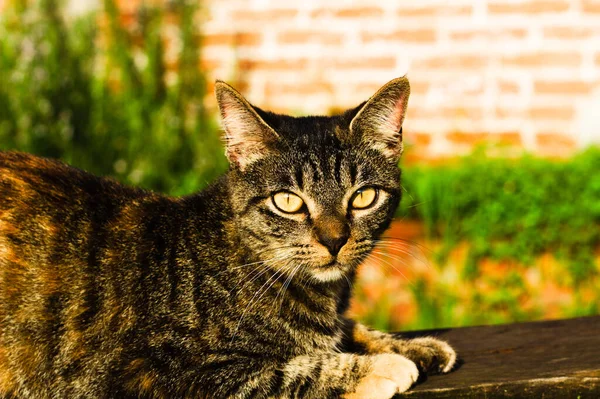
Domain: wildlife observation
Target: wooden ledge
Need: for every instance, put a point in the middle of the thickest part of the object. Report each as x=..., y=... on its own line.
x=549, y=359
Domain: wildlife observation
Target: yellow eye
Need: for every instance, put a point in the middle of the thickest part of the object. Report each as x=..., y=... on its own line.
x=287, y=202
x=364, y=198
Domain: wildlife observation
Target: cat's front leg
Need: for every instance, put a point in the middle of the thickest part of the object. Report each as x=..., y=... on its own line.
x=315, y=376
x=429, y=354
x=348, y=376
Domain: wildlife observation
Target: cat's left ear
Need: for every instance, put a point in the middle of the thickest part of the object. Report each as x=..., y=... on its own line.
x=378, y=123
x=248, y=137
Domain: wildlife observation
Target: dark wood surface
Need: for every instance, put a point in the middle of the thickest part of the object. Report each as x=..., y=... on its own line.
x=548, y=359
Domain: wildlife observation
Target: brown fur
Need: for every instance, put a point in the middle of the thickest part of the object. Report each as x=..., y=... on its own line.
x=108, y=291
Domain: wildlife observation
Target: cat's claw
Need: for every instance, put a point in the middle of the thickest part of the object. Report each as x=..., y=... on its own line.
x=430, y=354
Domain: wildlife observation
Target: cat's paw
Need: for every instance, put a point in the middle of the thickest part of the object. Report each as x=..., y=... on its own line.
x=389, y=374
x=430, y=354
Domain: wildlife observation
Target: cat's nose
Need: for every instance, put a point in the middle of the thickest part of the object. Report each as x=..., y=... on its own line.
x=333, y=234
x=334, y=243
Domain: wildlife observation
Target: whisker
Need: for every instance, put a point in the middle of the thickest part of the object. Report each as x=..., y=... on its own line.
x=262, y=291
x=393, y=246
x=417, y=204
x=421, y=261
x=263, y=251
x=383, y=245
x=349, y=282
x=286, y=285
x=265, y=268
x=407, y=241
x=228, y=269
x=392, y=265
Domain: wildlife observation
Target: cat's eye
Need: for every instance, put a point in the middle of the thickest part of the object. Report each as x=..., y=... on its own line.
x=287, y=202
x=363, y=198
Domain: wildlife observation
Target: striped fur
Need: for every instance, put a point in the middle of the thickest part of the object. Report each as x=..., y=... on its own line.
x=108, y=291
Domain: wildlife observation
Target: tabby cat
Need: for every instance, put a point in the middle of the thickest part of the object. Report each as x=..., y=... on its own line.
x=239, y=291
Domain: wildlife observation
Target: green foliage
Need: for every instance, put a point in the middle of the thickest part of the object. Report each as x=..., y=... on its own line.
x=98, y=99
x=508, y=240
x=513, y=209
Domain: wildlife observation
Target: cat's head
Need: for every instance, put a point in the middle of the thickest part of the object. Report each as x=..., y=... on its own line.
x=312, y=194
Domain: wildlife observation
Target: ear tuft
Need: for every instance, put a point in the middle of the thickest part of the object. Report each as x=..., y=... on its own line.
x=379, y=122
x=248, y=137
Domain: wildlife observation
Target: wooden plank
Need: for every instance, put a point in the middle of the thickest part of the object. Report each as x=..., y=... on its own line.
x=548, y=359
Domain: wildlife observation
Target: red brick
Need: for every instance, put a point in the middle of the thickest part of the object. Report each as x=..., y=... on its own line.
x=367, y=88
x=273, y=65
x=307, y=36
x=507, y=87
x=431, y=11
x=563, y=113
x=210, y=63
x=446, y=62
x=544, y=59
x=567, y=32
x=417, y=112
x=563, y=87
x=356, y=12
x=467, y=138
x=360, y=12
x=274, y=89
x=414, y=35
x=264, y=15
x=419, y=139
x=419, y=87
x=555, y=145
x=502, y=112
x=548, y=139
x=360, y=63
x=530, y=7
x=415, y=157
x=487, y=34
x=449, y=113
x=508, y=138
x=418, y=12
x=591, y=6
x=232, y=39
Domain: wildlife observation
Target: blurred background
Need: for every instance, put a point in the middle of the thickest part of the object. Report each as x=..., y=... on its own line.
x=500, y=220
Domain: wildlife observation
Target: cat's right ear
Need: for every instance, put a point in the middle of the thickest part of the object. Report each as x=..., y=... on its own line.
x=248, y=137
x=379, y=122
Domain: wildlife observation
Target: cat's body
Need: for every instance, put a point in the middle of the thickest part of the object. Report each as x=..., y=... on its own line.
x=109, y=292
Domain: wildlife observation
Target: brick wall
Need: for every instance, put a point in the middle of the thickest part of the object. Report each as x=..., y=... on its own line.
x=516, y=74
x=523, y=74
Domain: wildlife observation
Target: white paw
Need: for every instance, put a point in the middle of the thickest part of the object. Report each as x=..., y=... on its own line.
x=390, y=374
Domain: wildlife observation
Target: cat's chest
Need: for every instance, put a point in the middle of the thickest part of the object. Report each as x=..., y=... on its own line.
x=302, y=330
x=317, y=342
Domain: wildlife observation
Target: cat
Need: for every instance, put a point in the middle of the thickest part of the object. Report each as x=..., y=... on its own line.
x=239, y=291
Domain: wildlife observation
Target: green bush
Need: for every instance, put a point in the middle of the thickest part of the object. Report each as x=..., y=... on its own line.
x=97, y=99
x=507, y=240
x=514, y=209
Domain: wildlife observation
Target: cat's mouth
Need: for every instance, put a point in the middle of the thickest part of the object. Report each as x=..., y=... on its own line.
x=330, y=271
x=330, y=264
